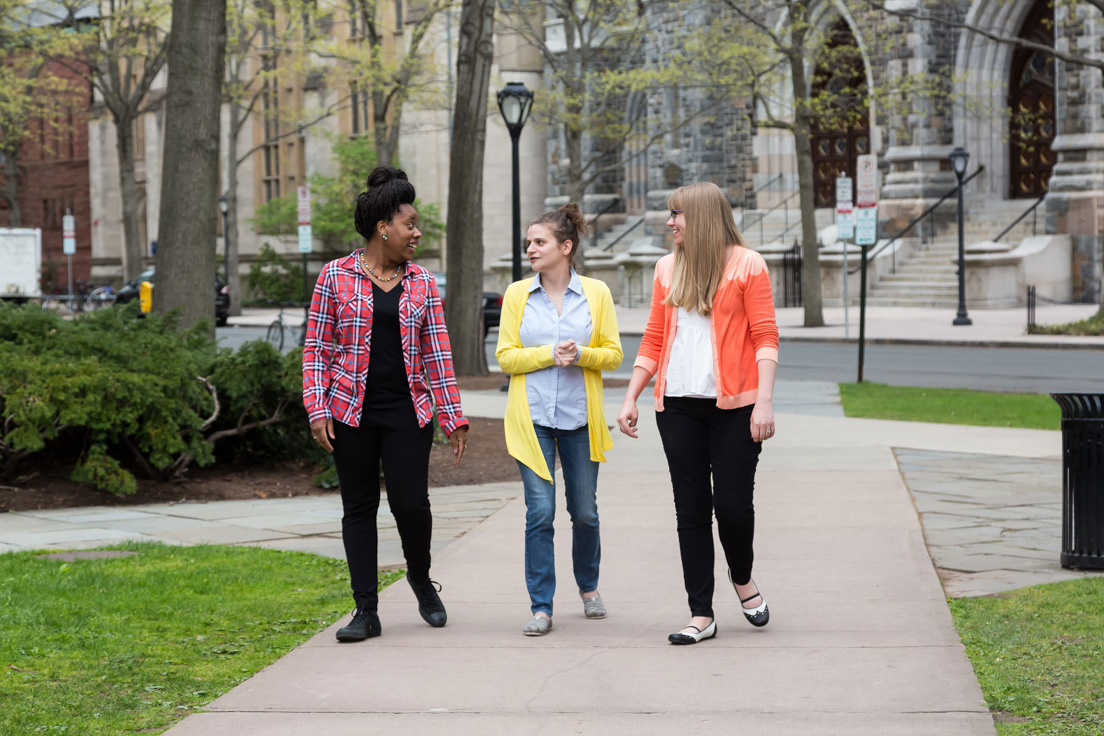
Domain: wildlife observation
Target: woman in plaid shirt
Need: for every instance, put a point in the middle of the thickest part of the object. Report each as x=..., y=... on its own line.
x=375, y=362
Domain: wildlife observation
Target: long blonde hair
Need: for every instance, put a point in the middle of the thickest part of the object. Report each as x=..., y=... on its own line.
x=700, y=262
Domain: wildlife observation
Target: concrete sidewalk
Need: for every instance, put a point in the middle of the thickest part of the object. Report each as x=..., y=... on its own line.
x=860, y=642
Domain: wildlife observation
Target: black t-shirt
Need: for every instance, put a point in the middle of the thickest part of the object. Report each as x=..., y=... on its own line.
x=387, y=386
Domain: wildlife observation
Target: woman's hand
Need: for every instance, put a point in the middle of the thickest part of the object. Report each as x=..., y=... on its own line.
x=459, y=440
x=626, y=419
x=565, y=353
x=322, y=432
x=762, y=421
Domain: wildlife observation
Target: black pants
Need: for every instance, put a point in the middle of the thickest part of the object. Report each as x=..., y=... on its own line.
x=712, y=459
x=394, y=436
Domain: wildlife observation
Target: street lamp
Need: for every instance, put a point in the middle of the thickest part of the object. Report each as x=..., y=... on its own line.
x=224, y=207
x=960, y=157
x=514, y=102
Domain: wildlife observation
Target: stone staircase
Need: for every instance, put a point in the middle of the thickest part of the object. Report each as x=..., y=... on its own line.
x=631, y=229
x=929, y=277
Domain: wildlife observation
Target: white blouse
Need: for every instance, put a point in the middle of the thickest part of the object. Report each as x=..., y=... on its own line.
x=690, y=367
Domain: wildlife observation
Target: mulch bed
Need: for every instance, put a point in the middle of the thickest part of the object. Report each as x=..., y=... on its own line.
x=485, y=461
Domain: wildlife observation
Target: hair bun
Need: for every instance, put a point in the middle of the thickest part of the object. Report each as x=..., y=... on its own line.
x=576, y=216
x=383, y=174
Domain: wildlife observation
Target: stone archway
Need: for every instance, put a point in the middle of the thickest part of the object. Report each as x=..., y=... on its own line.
x=1031, y=100
x=983, y=67
x=842, y=131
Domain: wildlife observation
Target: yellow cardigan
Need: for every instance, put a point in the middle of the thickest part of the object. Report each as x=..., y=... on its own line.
x=603, y=354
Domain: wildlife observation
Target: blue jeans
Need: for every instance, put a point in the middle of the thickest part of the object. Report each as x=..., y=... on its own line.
x=581, y=481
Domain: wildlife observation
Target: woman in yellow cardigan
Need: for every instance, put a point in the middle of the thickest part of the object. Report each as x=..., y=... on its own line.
x=557, y=334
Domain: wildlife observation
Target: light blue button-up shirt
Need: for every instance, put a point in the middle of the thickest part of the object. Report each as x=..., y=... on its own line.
x=557, y=396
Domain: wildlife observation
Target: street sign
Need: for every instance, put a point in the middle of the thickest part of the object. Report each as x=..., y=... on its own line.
x=306, y=239
x=866, y=175
x=843, y=190
x=866, y=225
x=845, y=220
x=69, y=235
x=304, y=199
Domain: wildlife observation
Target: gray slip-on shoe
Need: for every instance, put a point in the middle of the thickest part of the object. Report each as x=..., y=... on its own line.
x=538, y=626
x=593, y=607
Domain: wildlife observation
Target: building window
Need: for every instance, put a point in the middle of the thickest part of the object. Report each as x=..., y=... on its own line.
x=356, y=24
x=138, y=138
x=358, y=100
x=271, y=151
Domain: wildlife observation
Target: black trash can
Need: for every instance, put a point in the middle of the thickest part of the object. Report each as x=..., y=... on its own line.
x=1082, y=480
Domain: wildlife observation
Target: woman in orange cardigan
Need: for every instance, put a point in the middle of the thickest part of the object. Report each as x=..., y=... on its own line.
x=712, y=345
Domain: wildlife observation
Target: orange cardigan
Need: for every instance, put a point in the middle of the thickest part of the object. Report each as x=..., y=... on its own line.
x=742, y=322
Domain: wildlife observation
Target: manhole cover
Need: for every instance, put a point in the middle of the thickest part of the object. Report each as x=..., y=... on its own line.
x=101, y=554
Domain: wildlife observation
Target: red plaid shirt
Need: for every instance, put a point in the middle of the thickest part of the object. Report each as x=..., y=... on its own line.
x=339, y=338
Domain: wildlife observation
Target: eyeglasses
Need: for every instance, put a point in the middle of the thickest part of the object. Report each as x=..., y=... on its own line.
x=675, y=213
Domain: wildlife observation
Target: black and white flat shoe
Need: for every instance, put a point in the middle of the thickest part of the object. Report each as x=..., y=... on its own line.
x=758, y=616
x=708, y=632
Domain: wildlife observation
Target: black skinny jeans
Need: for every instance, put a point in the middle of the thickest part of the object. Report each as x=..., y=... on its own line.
x=394, y=436
x=712, y=460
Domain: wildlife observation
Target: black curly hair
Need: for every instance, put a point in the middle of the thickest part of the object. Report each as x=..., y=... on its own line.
x=388, y=190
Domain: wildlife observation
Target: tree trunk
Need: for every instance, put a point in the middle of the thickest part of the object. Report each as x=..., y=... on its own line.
x=810, y=253
x=385, y=154
x=464, y=307
x=576, y=191
x=186, y=254
x=11, y=189
x=577, y=63
x=231, y=232
x=133, y=248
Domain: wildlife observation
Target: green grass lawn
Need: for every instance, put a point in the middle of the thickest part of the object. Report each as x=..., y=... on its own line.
x=949, y=406
x=1037, y=653
x=131, y=644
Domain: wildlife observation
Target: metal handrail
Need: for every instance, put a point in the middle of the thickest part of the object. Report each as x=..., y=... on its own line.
x=770, y=181
x=763, y=213
x=621, y=237
x=1025, y=213
x=915, y=221
x=594, y=220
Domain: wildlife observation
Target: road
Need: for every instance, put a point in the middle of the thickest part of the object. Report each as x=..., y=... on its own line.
x=1031, y=370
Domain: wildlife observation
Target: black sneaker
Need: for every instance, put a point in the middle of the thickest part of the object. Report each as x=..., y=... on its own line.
x=429, y=603
x=365, y=625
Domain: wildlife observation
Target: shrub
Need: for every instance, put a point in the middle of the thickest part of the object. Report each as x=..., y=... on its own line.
x=272, y=276
x=137, y=389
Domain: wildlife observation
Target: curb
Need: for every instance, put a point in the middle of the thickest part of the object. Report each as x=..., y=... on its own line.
x=946, y=343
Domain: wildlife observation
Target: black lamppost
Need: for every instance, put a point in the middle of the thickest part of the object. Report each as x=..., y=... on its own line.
x=224, y=207
x=514, y=102
x=960, y=157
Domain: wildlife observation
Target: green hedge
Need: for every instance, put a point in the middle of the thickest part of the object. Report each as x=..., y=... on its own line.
x=126, y=394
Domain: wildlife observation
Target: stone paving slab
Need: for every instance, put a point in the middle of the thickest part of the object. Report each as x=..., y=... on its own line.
x=992, y=522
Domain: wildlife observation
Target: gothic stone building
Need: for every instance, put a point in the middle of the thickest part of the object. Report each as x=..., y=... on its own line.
x=1033, y=126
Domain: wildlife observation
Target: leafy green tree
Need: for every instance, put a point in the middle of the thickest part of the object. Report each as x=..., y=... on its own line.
x=334, y=201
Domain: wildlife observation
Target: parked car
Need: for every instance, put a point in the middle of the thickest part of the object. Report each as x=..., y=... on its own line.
x=492, y=303
x=129, y=293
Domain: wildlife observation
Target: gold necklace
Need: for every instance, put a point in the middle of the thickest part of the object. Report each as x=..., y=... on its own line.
x=364, y=265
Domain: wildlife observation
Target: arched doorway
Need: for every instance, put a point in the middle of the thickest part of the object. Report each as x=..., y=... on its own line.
x=842, y=131
x=1031, y=105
